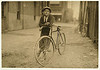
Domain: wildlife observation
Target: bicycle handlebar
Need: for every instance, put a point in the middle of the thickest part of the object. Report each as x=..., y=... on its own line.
x=58, y=28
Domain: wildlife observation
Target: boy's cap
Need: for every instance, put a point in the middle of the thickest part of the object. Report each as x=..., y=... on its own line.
x=46, y=8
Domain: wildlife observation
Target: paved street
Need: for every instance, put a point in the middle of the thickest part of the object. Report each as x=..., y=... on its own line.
x=17, y=49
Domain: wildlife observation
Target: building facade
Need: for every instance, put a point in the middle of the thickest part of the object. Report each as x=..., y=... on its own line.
x=26, y=14
x=20, y=15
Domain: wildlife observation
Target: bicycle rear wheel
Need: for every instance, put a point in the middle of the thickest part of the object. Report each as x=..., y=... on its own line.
x=44, y=50
x=61, y=43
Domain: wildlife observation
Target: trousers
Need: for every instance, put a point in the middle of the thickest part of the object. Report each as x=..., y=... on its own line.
x=44, y=43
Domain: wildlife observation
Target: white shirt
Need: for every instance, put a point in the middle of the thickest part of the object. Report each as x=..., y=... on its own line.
x=45, y=18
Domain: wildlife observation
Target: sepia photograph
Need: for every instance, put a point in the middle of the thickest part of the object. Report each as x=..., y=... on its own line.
x=49, y=34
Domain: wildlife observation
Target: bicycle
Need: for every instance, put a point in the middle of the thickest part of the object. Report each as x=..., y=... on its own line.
x=84, y=30
x=43, y=55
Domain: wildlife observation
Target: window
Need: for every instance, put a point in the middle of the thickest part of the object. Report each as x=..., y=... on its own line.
x=48, y=3
x=34, y=17
x=18, y=12
x=18, y=15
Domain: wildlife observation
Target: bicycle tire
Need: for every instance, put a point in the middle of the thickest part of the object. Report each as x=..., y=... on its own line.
x=44, y=60
x=61, y=47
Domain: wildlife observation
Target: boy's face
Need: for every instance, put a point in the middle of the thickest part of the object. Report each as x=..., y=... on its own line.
x=46, y=12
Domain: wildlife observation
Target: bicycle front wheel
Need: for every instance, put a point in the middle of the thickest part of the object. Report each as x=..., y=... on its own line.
x=44, y=50
x=61, y=43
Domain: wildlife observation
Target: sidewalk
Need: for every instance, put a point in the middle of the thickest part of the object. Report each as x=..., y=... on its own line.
x=17, y=50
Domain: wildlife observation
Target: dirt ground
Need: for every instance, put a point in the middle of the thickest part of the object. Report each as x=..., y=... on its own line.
x=17, y=50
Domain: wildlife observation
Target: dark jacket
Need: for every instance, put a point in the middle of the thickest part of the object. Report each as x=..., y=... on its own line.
x=50, y=19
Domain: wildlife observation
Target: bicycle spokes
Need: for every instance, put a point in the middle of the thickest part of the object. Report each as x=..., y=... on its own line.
x=44, y=51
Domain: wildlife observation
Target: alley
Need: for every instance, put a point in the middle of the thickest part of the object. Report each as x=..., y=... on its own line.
x=17, y=50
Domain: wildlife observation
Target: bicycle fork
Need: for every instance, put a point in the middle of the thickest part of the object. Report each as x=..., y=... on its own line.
x=57, y=40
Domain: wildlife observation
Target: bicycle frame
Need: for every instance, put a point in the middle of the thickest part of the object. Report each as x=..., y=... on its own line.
x=57, y=38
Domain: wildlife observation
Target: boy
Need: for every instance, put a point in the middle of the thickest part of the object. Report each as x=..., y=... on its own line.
x=46, y=22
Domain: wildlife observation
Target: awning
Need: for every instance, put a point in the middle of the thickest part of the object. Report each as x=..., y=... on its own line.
x=56, y=13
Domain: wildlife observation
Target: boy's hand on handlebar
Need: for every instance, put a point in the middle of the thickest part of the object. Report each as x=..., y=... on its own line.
x=47, y=23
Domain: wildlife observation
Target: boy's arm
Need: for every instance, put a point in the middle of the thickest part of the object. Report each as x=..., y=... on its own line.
x=41, y=23
x=51, y=20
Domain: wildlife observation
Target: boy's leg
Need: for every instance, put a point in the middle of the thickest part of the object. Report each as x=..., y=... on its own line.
x=41, y=46
x=46, y=42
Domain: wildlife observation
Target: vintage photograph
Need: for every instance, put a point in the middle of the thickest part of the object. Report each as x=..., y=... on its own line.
x=49, y=34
